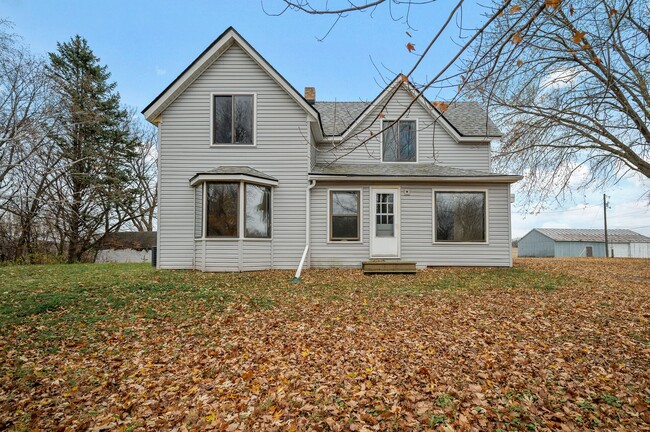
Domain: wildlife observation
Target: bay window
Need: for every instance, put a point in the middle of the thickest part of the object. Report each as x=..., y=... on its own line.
x=223, y=218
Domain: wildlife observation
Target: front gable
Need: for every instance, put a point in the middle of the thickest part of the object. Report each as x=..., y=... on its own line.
x=228, y=39
x=361, y=142
x=476, y=127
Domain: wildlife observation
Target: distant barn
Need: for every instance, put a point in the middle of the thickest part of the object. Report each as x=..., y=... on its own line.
x=126, y=247
x=557, y=242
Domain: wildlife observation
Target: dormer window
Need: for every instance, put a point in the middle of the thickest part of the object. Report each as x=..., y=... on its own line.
x=233, y=119
x=399, y=141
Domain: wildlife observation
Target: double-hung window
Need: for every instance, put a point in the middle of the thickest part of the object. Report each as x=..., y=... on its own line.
x=345, y=218
x=460, y=217
x=222, y=210
x=399, y=141
x=233, y=119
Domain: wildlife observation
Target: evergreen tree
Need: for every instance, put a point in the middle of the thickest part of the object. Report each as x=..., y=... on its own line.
x=94, y=144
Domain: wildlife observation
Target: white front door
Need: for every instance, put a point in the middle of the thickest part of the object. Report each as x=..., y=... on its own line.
x=384, y=223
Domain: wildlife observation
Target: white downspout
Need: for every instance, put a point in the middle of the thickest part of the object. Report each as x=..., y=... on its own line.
x=312, y=183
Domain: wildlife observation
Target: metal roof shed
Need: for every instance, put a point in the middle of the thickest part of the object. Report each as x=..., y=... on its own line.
x=561, y=242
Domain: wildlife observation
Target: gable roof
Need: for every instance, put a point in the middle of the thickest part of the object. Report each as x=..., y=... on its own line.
x=467, y=117
x=205, y=59
x=593, y=235
x=338, y=116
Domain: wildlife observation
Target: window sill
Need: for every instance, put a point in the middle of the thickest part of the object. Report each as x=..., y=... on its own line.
x=459, y=243
x=232, y=239
x=400, y=162
x=230, y=145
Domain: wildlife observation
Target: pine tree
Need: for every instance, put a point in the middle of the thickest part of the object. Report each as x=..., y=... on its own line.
x=95, y=145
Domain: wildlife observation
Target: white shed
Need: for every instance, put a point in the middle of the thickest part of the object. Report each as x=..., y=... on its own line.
x=126, y=247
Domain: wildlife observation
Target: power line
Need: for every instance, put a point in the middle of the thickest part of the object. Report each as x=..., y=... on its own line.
x=562, y=211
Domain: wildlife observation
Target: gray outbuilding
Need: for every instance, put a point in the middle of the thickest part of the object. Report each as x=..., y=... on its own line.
x=561, y=242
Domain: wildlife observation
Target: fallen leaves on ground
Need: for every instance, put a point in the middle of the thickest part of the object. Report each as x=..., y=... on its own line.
x=552, y=344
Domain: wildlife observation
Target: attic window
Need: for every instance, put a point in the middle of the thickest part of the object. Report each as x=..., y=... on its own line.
x=233, y=119
x=399, y=141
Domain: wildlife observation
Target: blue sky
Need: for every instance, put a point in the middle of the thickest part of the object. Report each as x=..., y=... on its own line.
x=147, y=44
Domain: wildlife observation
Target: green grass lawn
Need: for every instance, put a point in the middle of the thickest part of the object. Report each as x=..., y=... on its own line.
x=66, y=301
x=125, y=346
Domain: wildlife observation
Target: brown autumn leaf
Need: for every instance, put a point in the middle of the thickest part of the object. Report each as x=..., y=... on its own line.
x=515, y=9
x=441, y=106
x=571, y=10
x=517, y=38
x=613, y=12
x=410, y=46
x=381, y=115
x=404, y=78
x=520, y=63
x=556, y=342
x=596, y=60
x=555, y=4
x=578, y=36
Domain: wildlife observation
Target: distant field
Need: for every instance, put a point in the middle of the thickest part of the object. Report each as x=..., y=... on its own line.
x=553, y=344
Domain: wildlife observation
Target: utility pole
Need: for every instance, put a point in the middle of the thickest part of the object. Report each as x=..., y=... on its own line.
x=605, y=213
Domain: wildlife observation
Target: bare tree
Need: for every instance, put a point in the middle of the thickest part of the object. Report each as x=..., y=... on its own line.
x=144, y=175
x=25, y=105
x=567, y=81
x=572, y=94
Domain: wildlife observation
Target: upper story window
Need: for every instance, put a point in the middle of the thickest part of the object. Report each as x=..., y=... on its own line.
x=233, y=119
x=399, y=142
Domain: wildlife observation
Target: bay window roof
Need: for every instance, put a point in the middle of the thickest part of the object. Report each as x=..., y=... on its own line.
x=234, y=173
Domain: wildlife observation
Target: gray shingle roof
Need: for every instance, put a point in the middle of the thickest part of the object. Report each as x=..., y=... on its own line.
x=337, y=116
x=467, y=117
x=238, y=170
x=593, y=235
x=400, y=170
x=470, y=119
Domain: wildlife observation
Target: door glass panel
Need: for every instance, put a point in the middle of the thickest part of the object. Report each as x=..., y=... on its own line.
x=384, y=219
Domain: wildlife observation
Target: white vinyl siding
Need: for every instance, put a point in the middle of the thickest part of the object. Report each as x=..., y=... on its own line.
x=434, y=144
x=282, y=151
x=416, y=229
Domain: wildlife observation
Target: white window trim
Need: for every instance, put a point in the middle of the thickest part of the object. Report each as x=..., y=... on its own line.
x=460, y=190
x=329, y=216
x=232, y=145
x=241, y=217
x=417, y=140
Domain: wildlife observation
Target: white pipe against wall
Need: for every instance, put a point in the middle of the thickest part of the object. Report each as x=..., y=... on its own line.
x=312, y=183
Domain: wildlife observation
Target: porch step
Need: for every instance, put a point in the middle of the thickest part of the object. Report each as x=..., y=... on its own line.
x=376, y=266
